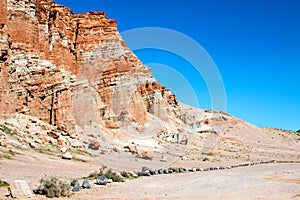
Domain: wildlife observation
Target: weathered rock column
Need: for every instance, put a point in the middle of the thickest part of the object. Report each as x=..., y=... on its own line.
x=4, y=50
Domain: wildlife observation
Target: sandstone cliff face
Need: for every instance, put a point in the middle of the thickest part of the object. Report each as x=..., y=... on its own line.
x=68, y=78
x=73, y=69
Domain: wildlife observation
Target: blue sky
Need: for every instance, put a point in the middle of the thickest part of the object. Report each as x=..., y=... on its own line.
x=254, y=43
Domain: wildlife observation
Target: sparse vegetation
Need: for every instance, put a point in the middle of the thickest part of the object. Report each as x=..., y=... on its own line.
x=5, y=155
x=7, y=131
x=78, y=159
x=102, y=152
x=4, y=183
x=53, y=187
x=13, y=153
x=144, y=168
x=8, y=154
x=138, y=156
x=46, y=151
x=73, y=182
x=82, y=152
x=108, y=173
x=174, y=169
x=114, y=176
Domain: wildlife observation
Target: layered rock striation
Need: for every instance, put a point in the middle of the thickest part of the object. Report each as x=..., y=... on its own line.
x=73, y=69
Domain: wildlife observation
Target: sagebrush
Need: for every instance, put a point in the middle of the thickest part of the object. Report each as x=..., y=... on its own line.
x=108, y=173
x=54, y=187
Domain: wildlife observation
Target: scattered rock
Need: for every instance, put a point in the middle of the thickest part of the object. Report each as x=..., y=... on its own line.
x=64, y=133
x=62, y=127
x=153, y=172
x=38, y=191
x=147, y=155
x=73, y=136
x=184, y=142
x=45, y=140
x=76, y=187
x=94, y=145
x=63, y=149
x=52, y=140
x=133, y=149
x=115, y=149
x=182, y=170
x=102, y=180
x=184, y=158
x=60, y=142
x=145, y=173
x=32, y=144
x=193, y=169
x=111, y=125
x=75, y=143
x=133, y=174
x=39, y=141
x=67, y=156
x=3, y=142
x=86, y=184
x=20, y=189
x=163, y=159
x=53, y=135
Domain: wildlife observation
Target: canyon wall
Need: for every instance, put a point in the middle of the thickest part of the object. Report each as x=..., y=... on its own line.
x=73, y=69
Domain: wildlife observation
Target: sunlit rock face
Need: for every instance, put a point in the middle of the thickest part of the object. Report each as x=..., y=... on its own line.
x=73, y=69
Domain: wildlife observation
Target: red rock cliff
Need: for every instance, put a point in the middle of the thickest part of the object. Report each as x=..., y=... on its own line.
x=72, y=69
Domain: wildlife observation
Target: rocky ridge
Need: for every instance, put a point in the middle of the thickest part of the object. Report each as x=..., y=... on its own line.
x=70, y=80
x=72, y=69
x=75, y=73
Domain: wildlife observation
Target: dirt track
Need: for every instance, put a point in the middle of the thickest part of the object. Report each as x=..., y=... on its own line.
x=271, y=181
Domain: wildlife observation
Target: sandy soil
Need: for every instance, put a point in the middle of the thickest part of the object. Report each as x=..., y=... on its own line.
x=271, y=181
x=267, y=181
x=226, y=142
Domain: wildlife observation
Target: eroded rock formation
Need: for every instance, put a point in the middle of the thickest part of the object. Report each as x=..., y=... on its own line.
x=73, y=69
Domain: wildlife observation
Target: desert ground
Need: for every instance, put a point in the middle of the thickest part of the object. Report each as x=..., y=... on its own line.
x=274, y=181
x=262, y=181
x=227, y=143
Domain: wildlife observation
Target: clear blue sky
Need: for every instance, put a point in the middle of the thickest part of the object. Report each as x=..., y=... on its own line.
x=254, y=43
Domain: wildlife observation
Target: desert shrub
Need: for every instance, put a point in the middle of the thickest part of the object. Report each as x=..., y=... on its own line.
x=73, y=182
x=96, y=174
x=4, y=183
x=125, y=174
x=128, y=175
x=7, y=130
x=102, y=169
x=138, y=156
x=114, y=176
x=108, y=173
x=174, y=169
x=92, y=175
x=53, y=187
x=102, y=152
x=144, y=168
x=205, y=159
x=6, y=156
